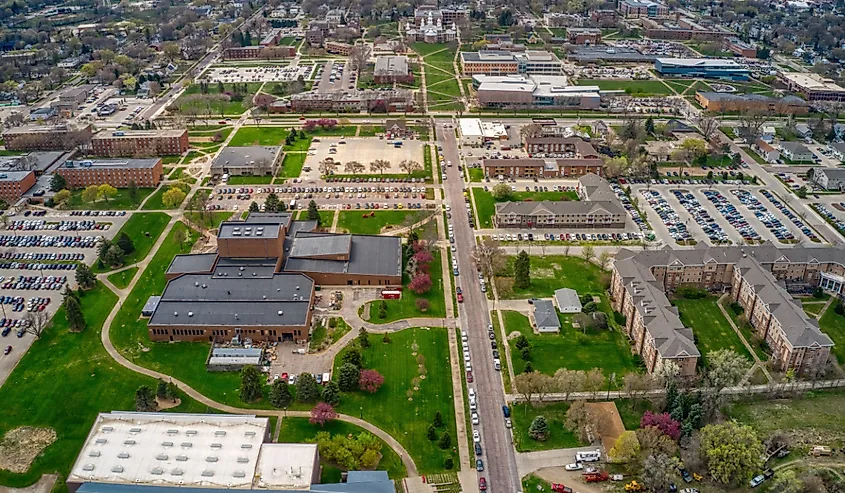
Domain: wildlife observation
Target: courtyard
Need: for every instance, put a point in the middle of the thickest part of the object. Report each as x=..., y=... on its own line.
x=364, y=151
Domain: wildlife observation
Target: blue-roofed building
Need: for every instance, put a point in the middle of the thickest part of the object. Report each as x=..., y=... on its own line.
x=707, y=68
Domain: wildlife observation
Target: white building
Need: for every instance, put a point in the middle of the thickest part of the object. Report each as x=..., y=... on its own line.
x=475, y=132
x=567, y=300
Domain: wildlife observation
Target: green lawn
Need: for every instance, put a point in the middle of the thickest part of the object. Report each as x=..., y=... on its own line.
x=369, y=130
x=326, y=217
x=571, y=349
x=300, y=144
x=123, y=278
x=559, y=437
x=556, y=271
x=634, y=87
x=299, y=430
x=711, y=329
x=476, y=175
x=221, y=108
x=485, y=207
x=814, y=308
x=143, y=228
x=486, y=203
x=406, y=404
x=210, y=220
x=817, y=414
x=426, y=50
x=263, y=136
x=833, y=325
x=338, y=131
x=355, y=222
x=292, y=166
x=121, y=201
x=170, y=160
x=65, y=388
x=250, y=180
x=406, y=307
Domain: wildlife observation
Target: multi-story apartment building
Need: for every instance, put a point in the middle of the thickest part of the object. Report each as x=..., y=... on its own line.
x=253, y=52
x=541, y=168
x=338, y=48
x=13, y=184
x=46, y=137
x=813, y=87
x=355, y=100
x=118, y=173
x=641, y=8
x=759, y=278
x=129, y=143
x=489, y=62
x=560, y=145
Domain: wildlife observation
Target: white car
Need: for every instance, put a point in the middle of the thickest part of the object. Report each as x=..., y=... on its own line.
x=576, y=466
x=508, y=423
x=475, y=418
x=476, y=436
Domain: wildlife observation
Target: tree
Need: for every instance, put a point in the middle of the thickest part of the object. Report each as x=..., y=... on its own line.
x=180, y=236
x=307, y=389
x=655, y=442
x=73, y=312
x=489, y=257
x=348, y=377
x=322, y=413
x=313, y=214
x=125, y=243
x=626, y=448
x=57, y=183
x=616, y=166
x=432, y=433
x=90, y=193
x=161, y=389
x=271, y=204
x=327, y=166
x=84, y=277
x=352, y=356
x=114, y=256
x=662, y=422
x=253, y=207
x=539, y=429
x=172, y=198
x=145, y=399
x=708, y=126
x=522, y=270
x=649, y=125
x=61, y=196
x=725, y=369
x=422, y=305
x=787, y=482
x=502, y=192
x=36, y=323
x=732, y=452
x=251, y=387
x=280, y=395
x=133, y=190
x=106, y=192
x=354, y=167
x=409, y=166
x=445, y=440
x=569, y=381
x=421, y=283
x=658, y=471
x=438, y=419
x=370, y=381
x=380, y=166
x=581, y=420
x=588, y=252
x=331, y=394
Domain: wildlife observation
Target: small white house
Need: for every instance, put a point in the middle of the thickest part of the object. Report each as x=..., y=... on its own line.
x=545, y=316
x=567, y=300
x=767, y=134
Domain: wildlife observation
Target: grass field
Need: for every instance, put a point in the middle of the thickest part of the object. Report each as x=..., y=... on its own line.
x=559, y=437
x=571, y=349
x=220, y=108
x=326, y=217
x=634, y=87
x=833, y=325
x=263, y=136
x=476, y=175
x=486, y=203
x=65, y=389
x=250, y=180
x=813, y=308
x=299, y=430
x=406, y=307
x=121, y=201
x=355, y=222
x=557, y=271
x=143, y=228
x=406, y=404
x=711, y=328
x=292, y=166
x=817, y=415
x=210, y=220
x=123, y=278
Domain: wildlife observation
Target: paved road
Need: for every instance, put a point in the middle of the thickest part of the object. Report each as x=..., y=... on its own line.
x=496, y=440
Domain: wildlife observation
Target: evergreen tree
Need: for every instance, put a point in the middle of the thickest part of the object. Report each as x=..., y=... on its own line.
x=313, y=213
x=84, y=277
x=161, y=389
x=280, y=394
x=448, y=464
x=251, y=388
x=272, y=203
x=125, y=243
x=363, y=338
x=529, y=368
x=438, y=420
x=445, y=440
x=649, y=125
x=73, y=312
x=331, y=394
x=539, y=429
x=253, y=207
x=522, y=270
x=348, y=377
x=307, y=389
x=144, y=399
x=432, y=433
x=353, y=357
x=57, y=183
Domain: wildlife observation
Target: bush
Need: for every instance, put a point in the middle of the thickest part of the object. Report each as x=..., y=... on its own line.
x=818, y=292
x=737, y=308
x=619, y=319
x=589, y=307
x=840, y=309
x=448, y=464
x=691, y=292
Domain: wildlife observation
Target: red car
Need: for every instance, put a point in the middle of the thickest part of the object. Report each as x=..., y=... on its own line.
x=482, y=484
x=284, y=377
x=460, y=294
x=7, y=350
x=469, y=377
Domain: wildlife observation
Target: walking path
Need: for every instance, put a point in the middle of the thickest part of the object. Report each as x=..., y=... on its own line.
x=44, y=485
x=757, y=361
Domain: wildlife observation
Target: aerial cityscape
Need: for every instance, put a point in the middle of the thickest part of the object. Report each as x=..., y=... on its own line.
x=371, y=246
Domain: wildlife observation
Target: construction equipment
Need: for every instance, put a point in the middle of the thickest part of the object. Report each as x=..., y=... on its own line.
x=634, y=486
x=596, y=476
x=820, y=450
x=697, y=477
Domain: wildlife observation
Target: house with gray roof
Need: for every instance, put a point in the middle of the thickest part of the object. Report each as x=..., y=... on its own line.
x=829, y=178
x=567, y=300
x=796, y=152
x=545, y=317
x=247, y=161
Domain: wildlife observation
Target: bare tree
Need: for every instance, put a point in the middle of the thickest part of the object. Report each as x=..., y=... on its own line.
x=358, y=56
x=569, y=381
x=708, y=126
x=327, y=166
x=530, y=131
x=353, y=167
x=380, y=166
x=750, y=123
x=488, y=257
x=604, y=259
x=36, y=322
x=409, y=166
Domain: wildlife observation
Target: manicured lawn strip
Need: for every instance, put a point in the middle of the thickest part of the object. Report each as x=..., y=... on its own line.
x=425, y=49
x=632, y=412
x=506, y=375
x=712, y=331
x=250, y=180
x=486, y=203
x=833, y=325
x=300, y=144
x=121, y=201
x=299, y=430
x=62, y=382
x=210, y=220
x=338, y=131
x=406, y=307
x=559, y=437
x=156, y=203
x=390, y=408
x=639, y=87
x=143, y=228
x=476, y=174
x=123, y=278
x=263, y=136
x=571, y=349
x=813, y=308
x=326, y=217
x=170, y=160
x=369, y=131
x=353, y=221
x=747, y=332
x=818, y=413
x=220, y=108
x=485, y=207
x=292, y=166
x=557, y=271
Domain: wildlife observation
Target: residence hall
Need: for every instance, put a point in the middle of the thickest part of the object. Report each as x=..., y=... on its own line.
x=761, y=279
x=132, y=143
x=120, y=173
x=579, y=158
x=599, y=207
x=260, y=284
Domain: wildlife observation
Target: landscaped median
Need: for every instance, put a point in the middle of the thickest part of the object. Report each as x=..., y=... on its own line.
x=407, y=306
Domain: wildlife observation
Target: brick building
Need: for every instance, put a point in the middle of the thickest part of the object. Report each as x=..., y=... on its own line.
x=490, y=62
x=741, y=48
x=719, y=102
x=128, y=143
x=392, y=100
x=254, y=52
x=338, y=48
x=247, y=161
x=13, y=184
x=760, y=278
x=390, y=69
x=46, y=137
x=641, y=8
x=812, y=86
x=583, y=35
x=119, y=173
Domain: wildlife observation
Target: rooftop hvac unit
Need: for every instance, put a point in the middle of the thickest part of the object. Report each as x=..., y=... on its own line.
x=166, y=444
x=216, y=445
x=117, y=469
x=94, y=453
x=100, y=441
x=88, y=467
x=239, y=474
x=211, y=458
x=186, y=444
x=157, y=471
x=172, y=431
x=162, y=457
x=249, y=433
x=182, y=458
x=176, y=472
x=220, y=433
x=207, y=473
x=134, y=430
x=123, y=455
x=108, y=429
x=129, y=442
x=243, y=460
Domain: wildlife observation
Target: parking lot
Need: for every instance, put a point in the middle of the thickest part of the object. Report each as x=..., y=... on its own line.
x=330, y=196
x=268, y=73
x=128, y=110
x=333, y=77
x=363, y=150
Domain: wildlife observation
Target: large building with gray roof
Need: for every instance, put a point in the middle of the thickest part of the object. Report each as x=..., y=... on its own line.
x=247, y=161
x=762, y=279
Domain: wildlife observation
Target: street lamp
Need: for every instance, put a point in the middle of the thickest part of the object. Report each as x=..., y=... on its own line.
x=361, y=409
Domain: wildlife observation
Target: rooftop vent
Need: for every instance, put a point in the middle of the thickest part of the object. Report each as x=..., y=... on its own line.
x=204, y=286
x=281, y=312
x=243, y=460
x=157, y=471
x=187, y=444
x=117, y=469
x=239, y=474
x=246, y=446
x=220, y=433
x=211, y=458
x=162, y=457
x=100, y=441
x=88, y=467
x=123, y=455
x=94, y=453
x=182, y=458
x=175, y=314
x=249, y=434
x=166, y=444
x=176, y=472
x=207, y=473
x=129, y=442
x=107, y=429
x=172, y=431
x=190, y=314
x=216, y=445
